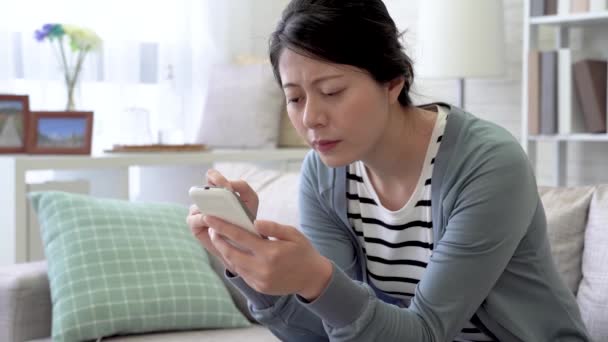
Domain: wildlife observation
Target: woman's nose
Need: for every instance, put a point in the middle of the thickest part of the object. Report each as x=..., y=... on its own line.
x=314, y=116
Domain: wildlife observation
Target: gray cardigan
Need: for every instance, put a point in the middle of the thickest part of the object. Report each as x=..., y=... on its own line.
x=491, y=259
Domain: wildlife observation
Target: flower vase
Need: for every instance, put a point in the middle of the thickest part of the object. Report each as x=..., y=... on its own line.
x=70, y=104
x=72, y=92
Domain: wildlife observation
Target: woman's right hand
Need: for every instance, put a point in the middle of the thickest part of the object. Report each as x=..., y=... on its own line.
x=195, y=220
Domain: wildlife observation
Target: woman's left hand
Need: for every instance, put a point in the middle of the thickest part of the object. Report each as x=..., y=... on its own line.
x=286, y=264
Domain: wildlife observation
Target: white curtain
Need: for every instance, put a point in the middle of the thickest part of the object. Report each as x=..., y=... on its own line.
x=155, y=55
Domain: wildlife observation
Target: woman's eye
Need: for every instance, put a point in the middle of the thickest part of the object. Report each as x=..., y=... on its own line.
x=333, y=93
x=293, y=100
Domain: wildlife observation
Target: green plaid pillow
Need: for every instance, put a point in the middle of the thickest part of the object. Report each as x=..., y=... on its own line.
x=117, y=267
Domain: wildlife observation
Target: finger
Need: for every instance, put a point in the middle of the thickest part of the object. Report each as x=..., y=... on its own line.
x=217, y=179
x=243, y=188
x=202, y=235
x=246, y=193
x=199, y=230
x=276, y=230
x=232, y=232
x=235, y=258
x=194, y=220
x=193, y=210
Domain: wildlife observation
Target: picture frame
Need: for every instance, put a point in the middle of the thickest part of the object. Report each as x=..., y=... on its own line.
x=60, y=132
x=14, y=123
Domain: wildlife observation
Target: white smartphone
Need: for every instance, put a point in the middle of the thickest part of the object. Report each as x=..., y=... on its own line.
x=222, y=203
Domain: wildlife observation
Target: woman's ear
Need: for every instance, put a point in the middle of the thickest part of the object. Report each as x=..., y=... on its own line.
x=394, y=88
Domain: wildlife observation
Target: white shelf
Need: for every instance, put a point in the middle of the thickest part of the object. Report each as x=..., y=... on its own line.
x=114, y=160
x=572, y=20
x=559, y=26
x=570, y=137
x=14, y=167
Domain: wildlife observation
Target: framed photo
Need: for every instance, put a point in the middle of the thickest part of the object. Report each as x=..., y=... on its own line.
x=60, y=133
x=14, y=116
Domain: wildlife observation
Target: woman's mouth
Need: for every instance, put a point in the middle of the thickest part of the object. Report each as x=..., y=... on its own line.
x=324, y=146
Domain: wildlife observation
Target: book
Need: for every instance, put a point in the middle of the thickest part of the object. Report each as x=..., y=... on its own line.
x=537, y=8
x=563, y=7
x=579, y=6
x=534, y=92
x=550, y=7
x=590, y=79
x=598, y=5
x=548, y=92
x=570, y=118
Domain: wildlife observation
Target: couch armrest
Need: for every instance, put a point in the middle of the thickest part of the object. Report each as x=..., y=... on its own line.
x=25, y=302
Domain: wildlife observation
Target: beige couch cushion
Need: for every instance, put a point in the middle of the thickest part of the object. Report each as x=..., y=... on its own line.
x=25, y=302
x=288, y=136
x=243, y=107
x=279, y=200
x=255, y=333
x=593, y=291
x=566, y=211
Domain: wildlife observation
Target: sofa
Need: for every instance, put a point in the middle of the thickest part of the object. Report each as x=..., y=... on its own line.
x=578, y=232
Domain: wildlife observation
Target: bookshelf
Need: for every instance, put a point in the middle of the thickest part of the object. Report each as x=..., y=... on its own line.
x=561, y=25
x=571, y=20
x=569, y=137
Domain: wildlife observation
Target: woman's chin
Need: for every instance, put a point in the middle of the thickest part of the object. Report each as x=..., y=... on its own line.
x=334, y=160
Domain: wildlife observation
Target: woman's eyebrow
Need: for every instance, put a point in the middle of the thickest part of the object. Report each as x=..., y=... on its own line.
x=320, y=79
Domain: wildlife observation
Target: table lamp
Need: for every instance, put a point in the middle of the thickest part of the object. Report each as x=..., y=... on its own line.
x=460, y=39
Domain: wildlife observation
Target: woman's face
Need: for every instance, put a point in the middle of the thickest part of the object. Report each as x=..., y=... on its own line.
x=340, y=110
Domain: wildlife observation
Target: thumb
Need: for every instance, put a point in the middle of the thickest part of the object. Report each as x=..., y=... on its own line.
x=275, y=230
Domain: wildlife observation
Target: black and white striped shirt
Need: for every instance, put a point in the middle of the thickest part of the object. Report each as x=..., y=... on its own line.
x=398, y=244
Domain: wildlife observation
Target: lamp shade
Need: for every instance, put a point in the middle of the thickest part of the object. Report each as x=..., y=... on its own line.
x=460, y=39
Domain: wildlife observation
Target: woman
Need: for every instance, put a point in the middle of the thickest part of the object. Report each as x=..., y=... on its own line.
x=417, y=223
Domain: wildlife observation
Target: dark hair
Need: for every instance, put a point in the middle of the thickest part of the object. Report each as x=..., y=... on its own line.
x=360, y=33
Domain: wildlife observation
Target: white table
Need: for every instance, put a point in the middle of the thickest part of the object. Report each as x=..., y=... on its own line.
x=13, y=170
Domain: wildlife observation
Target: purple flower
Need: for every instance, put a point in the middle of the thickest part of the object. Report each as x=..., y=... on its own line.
x=39, y=35
x=46, y=28
x=49, y=31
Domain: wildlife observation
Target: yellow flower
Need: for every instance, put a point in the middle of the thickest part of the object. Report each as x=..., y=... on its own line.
x=82, y=38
